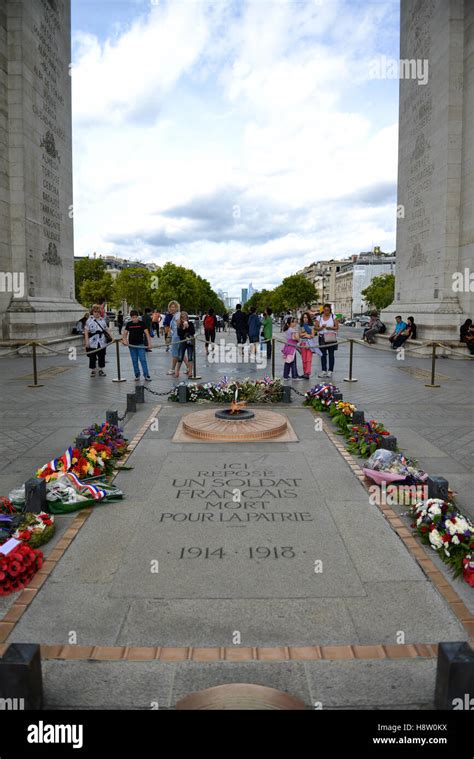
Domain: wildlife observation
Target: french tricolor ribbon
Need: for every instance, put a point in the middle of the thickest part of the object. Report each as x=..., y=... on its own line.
x=96, y=493
x=66, y=459
x=324, y=387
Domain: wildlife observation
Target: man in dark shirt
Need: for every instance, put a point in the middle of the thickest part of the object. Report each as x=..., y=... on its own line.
x=240, y=324
x=135, y=335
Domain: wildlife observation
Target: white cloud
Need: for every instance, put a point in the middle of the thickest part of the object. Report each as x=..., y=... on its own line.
x=198, y=107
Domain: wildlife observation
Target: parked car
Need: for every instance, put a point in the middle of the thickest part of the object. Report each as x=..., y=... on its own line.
x=363, y=320
x=350, y=323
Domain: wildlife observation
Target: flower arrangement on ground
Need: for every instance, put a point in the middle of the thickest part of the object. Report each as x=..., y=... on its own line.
x=341, y=413
x=321, y=396
x=364, y=439
x=109, y=435
x=265, y=390
x=389, y=466
x=18, y=567
x=468, y=569
x=94, y=461
x=441, y=526
x=35, y=529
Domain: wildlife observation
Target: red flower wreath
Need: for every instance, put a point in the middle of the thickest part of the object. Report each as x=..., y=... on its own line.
x=18, y=568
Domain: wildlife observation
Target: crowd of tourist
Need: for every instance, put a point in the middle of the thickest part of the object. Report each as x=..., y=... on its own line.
x=307, y=335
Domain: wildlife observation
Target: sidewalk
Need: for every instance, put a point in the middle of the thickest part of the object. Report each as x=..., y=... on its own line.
x=221, y=572
x=434, y=425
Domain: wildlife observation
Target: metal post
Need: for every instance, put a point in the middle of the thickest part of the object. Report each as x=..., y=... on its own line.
x=358, y=417
x=438, y=487
x=273, y=357
x=454, y=676
x=433, y=368
x=131, y=402
x=35, y=369
x=195, y=375
x=350, y=378
x=111, y=417
x=119, y=377
x=35, y=495
x=83, y=441
x=140, y=393
x=286, y=397
x=21, y=683
x=389, y=442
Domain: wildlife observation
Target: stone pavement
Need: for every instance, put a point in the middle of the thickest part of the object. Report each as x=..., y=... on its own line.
x=222, y=572
x=226, y=566
x=381, y=685
x=435, y=425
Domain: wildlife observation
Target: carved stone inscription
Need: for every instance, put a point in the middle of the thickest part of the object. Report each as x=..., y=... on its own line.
x=49, y=74
x=236, y=493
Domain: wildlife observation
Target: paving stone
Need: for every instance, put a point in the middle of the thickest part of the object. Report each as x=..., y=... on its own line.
x=107, y=685
x=414, y=608
x=57, y=610
x=381, y=558
x=259, y=623
x=371, y=684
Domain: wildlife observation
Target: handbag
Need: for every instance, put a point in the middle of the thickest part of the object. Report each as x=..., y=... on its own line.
x=329, y=337
x=108, y=338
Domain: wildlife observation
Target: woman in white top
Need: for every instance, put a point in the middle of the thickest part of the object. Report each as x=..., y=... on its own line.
x=95, y=333
x=327, y=326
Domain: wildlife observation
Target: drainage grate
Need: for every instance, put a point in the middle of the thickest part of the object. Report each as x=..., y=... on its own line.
x=424, y=374
x=53, y=371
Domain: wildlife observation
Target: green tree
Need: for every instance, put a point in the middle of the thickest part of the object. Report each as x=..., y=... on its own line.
x=135, y=285
x=296, y=291
x=178, y=283
x=193, y=293
x=380, y=293
x=87, y=270
x=261, y=300
x=207, y=298
x=92, y=290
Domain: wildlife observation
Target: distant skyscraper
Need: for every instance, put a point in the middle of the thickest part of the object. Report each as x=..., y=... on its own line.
x=251, y=290
x=245, y=295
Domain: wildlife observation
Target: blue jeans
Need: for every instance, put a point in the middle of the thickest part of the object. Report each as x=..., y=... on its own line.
x=138, y=355
x=327, y=355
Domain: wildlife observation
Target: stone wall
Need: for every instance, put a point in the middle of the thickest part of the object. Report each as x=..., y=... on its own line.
x=436, y=147
x=37, y=224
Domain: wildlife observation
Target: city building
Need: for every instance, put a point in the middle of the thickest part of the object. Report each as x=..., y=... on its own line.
x=340, y=282
x=354, y=276
x=114, y=265
x=322, y=274
x=244, y=296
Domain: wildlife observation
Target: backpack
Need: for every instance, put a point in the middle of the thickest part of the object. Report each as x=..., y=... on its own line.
x=209, y=323
x=382, y=329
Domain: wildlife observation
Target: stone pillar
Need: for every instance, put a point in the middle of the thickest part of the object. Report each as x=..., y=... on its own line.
x=435, y=239
x=36, y=227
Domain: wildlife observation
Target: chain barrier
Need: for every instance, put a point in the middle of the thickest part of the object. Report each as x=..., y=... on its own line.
x=297, y=392
x=193, y=340
x=452, y=350
x=17, y=350
x=121, y=418
x=427, y=344
x=154, y=392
